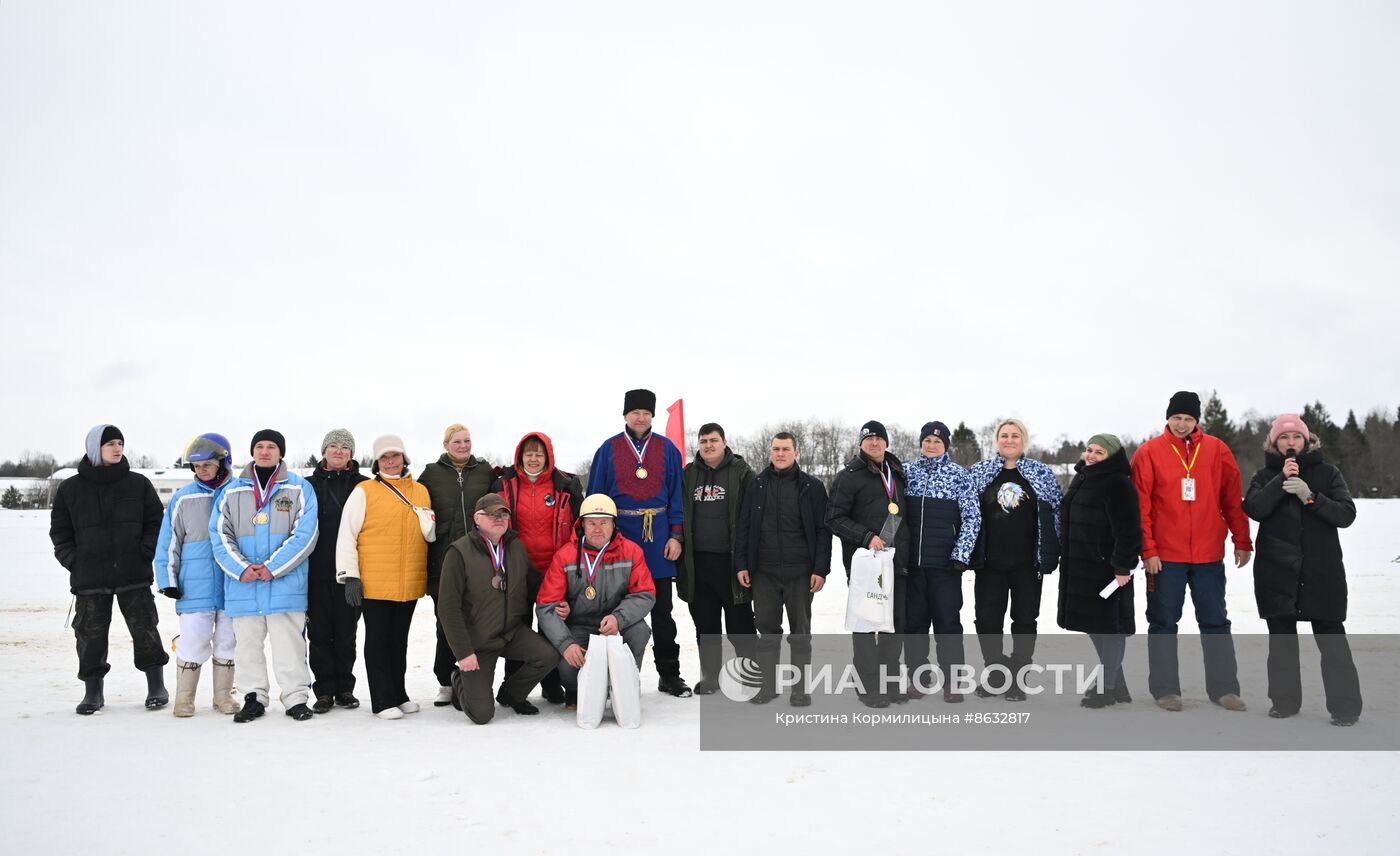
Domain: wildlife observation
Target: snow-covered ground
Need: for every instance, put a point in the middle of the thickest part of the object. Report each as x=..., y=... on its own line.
x=129, y=780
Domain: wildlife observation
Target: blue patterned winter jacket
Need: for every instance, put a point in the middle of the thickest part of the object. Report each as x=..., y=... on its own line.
x=1047, y=496
x=283, y=542
x=943, y=511
x=184, y=553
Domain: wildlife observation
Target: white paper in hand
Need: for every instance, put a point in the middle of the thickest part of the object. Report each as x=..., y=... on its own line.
x=1109, y=589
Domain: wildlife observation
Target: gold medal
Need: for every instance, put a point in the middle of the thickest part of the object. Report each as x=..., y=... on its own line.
x=590, y=592
x=260, y=518
x=894, y=508
x=641, y=472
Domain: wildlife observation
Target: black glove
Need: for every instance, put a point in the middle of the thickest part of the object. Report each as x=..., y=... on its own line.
x=173, y=592
x=957, y=567
x=354, y=591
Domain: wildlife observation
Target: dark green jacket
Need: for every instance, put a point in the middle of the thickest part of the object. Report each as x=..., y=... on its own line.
x=454, y=497
x=738, y=475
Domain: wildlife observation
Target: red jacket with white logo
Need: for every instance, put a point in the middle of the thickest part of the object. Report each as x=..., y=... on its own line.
x=1173, y=529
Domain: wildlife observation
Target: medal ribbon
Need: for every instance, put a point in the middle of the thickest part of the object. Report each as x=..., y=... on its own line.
x=498, y=556
x=590, y=569
x=1191, y=465
x=633, y=446
x=262, y=494
x=887, y=478
x=396, y=491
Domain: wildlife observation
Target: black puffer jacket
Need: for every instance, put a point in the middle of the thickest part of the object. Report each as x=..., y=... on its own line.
x=104, y=526
x=1100, y=537
x=332, y=489
x=859, y=507
x=1298, y=570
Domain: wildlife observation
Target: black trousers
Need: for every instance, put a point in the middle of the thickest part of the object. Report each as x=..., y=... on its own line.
x=443, y=660
x=472, y=690
x=713, y=602
x=92, y=618
x=871, y=651
x=772, y=596
x=550, y=680
x=331, y=628
x=663, y=630
x=1340, y=682
x=935, y=600
x=990, y=592
x=386, y=651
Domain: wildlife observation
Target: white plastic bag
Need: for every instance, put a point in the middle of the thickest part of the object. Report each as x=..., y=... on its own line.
x=870, y=594
x=626, y=683
x=593, y=683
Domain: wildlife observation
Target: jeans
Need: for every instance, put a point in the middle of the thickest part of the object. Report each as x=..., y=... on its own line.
x=1166, y=597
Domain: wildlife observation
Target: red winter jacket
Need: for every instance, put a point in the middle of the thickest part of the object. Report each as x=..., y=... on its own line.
x=1192, y=532
x=542, y=511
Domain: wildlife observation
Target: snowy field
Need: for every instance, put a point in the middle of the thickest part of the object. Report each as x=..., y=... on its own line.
x=129, y=780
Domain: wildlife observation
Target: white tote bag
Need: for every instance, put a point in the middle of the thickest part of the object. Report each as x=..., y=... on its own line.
x=593, y=683
x=870, y=595
x=626, y=683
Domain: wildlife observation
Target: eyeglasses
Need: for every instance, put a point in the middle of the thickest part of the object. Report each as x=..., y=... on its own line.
x=497, y=516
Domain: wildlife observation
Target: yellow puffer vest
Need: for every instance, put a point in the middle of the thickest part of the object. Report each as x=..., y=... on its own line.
x=393, y=554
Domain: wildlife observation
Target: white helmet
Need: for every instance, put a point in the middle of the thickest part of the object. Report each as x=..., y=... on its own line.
x=598, y=505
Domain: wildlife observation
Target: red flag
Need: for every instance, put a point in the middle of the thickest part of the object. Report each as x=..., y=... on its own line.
x=675, y=426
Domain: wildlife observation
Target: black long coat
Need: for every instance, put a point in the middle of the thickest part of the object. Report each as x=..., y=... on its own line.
x=1100, y=537
x=1298, y=570
x=104, y=526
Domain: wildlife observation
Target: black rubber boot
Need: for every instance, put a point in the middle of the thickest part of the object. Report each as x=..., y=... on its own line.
x=92, y=697
x=157, y=696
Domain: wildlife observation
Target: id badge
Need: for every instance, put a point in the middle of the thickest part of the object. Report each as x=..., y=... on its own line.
x=1188, y=490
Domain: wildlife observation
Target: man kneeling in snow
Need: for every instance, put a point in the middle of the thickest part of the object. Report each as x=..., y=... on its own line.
x=485, y=615
x=598, y=584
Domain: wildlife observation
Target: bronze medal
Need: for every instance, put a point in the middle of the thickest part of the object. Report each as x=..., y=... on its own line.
x=642, y=473
x=590, y=592
x=260, y=518
x=894, y=508
x=498, y=582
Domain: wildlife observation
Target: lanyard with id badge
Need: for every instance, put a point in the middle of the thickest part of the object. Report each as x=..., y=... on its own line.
x=1188, y=484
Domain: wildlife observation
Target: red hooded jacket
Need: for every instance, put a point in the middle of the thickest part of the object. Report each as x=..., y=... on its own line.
x=542, y=511
x=1193, y=532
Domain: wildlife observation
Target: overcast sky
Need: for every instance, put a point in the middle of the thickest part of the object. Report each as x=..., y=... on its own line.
x=390, y=217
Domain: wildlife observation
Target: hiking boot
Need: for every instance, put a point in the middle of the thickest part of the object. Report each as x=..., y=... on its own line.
x=347, y=700
x=951, y=696
x=674, y=685
x=763, y=696
x=914, y=693
x=92, y=697
x=1170, y=702
x=1230, y=701
x=707, y=686
x=224, y=702
x=323, y=704
x=553, y=692
x=444, y=697
x=186, y=681
x=800, y=699
x=1344, y=721
x=300, y=712
x=157, y=696
x=1015, y=693
x=1095, y=699
x=524, y=708
x=252, y=709
x=1121, y=696
x=1276, y=712
x=875, y=700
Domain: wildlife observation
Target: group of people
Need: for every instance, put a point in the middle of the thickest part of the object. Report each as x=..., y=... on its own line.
x=525, y=566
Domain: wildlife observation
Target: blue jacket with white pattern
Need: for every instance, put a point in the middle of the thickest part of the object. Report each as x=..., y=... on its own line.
x=1047, y=497
x=944, y=511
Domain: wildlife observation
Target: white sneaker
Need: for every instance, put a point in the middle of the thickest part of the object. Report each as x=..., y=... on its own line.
x=444, y=697
x=390, y=713
x=410, y=707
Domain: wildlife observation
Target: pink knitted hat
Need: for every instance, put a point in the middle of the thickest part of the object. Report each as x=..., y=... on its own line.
x=1288, y=422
